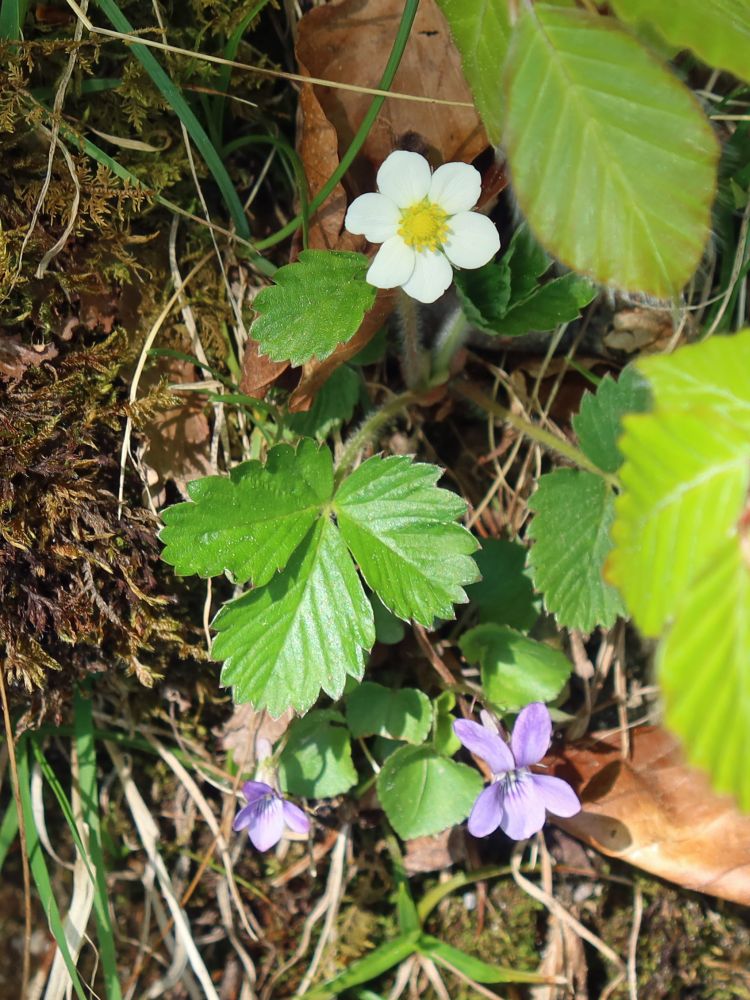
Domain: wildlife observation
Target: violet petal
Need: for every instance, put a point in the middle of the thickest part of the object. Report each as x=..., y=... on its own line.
x=244, y=817
x=485, y=744
x=487, y=812
x=255, y=790
x=268, y=823
x=294, y=818
x=523, y=809
x=531, y=734
x=557, y=795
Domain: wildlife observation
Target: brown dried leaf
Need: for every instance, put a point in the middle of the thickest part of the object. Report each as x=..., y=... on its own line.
x=656, y=813
x=259, y=372
x=315, y=373
x=351, y=41
x=242, y=732
x=15, y=358
x=433, y=854
x=178, y=438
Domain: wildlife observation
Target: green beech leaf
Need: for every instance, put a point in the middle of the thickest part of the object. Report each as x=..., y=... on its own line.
x=401, y=530
x=573, y=513
x=685, y=479
x=481, y=31
x=403, y=714
x=557, y=301
x=423, y=792
x=505, y=594
x=703, y=665
x=306, y=630
x=613, y=162
x=316, y=761
x=515, y=670
x=598, y=423
x=317, y=303
x=250, y=522
x=333, y=405
x=718, y=31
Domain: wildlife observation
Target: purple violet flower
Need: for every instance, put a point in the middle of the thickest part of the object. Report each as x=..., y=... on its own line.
x=266, y=814
x=517, y=798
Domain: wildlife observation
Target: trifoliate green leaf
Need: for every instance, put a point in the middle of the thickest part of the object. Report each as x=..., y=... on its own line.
x=317, y=303
x=718, y=31
x=703, y=665
x=423, y=792
x=613, y=162
x=303, y=632
x=333, y=406
x=481, y=31
x=250, y=522
x=573, y=512
x=401, y=530
x=505, y=594
x=557, y=301
x=515, y=670
x=403, y=714
x=599, y=421
x=316, y=761
x=484, y=293
x=685, y=479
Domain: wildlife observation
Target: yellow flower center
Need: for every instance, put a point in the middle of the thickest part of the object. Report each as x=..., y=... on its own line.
x=424, y=225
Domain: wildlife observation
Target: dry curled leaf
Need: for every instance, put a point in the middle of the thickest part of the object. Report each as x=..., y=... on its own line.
x=351, y=42
x=656, y=813
x=259, y=373
x=15, y=358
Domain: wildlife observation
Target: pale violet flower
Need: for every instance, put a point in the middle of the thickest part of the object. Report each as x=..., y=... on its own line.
x=267, y=814
x=517, y=798
x=425, y=224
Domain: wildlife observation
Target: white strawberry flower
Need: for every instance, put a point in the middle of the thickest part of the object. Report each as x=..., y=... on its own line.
x=425, y=223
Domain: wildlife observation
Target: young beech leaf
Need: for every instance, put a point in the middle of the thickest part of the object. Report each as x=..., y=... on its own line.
x=423, y=792
x=702, y=665
x=718, y=32
x=598, y=424
x=401, y=530
x=316, y=761
x=573, y=514
x=515, y=670
x=317, y=303
x=481, y=32
x=250, y=522
x=403, y=714
x=613, y=162
x=685, y=480
x=306, y=630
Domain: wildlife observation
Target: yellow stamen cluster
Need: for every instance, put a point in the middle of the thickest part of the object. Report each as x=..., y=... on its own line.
x=424, y=225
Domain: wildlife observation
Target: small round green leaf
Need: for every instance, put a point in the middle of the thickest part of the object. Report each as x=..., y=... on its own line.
x=317, y=759
x=515, y=670
x=403, y=714
x=423, y=792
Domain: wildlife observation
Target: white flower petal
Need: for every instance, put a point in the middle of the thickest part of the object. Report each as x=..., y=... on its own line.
x=404, y=178
x=393, y=264
x=456, y=187
x=472, y=240
x=373, y=216
x=432, y=275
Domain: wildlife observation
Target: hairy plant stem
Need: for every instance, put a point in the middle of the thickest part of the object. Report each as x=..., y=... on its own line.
x=369, y=430
x=450, y=338
x=547, y=440
x=414, y=361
